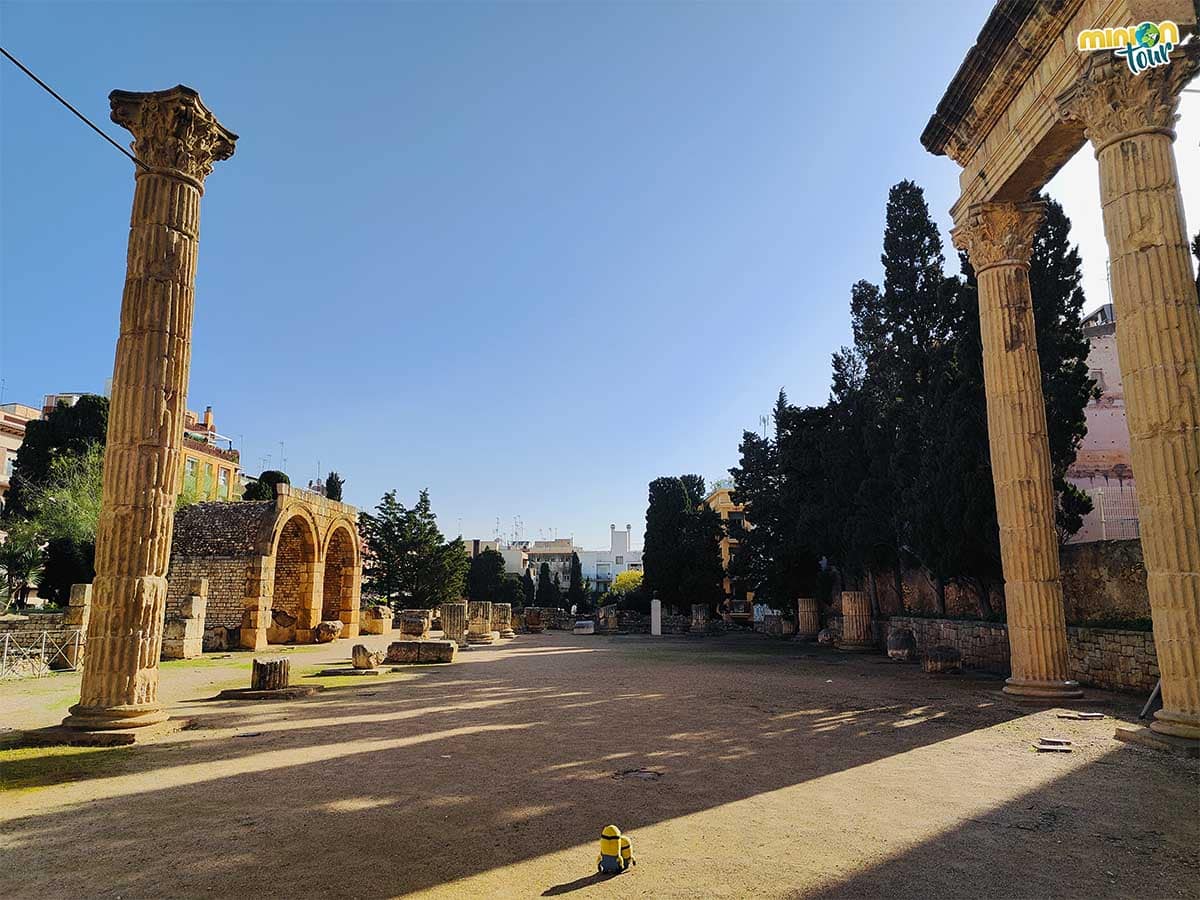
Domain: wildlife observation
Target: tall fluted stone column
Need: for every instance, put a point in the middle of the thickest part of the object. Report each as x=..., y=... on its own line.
x=857, y=631
x=999, y=239
x=178, y=140
x=1129, y=120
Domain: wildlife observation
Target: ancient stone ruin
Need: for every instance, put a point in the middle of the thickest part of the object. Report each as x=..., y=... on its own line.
x=454, y=622
x=1023, y=102
x=502, y=620
x=183, y=632
x=857, y=631
x=278, y=571
x=479, y=623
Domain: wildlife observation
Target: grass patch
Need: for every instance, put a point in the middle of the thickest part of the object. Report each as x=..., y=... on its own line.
x=27, y=768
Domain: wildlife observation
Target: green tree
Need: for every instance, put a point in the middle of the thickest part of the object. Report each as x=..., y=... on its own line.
x=485, y=576
x=20, y=563
x=528, y=587
x=511, y=591
x=263, y=487
x=66, y=431
x=576, y=596
x=682, y=553
x=66, y=505
x=1056, y=284
x=333, y=486
x=547, y=591
x=410, y=563
x=627, y=582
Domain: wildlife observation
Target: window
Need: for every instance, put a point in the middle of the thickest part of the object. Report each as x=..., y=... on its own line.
x=8, y=466
x=190, y=467
x=208, y=480
x=223, y=484
x=620, y=560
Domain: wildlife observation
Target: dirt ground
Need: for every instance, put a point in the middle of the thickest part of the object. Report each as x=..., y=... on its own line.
x=740, y=766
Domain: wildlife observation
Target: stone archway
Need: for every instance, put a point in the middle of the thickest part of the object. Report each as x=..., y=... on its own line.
x=338, y=589
x=294, y=605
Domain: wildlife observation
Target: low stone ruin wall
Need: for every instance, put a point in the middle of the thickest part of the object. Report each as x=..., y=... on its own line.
x=1106, y=658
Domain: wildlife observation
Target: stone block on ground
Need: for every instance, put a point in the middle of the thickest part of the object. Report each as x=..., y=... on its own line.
x=901, y=645
x=416, y=623
x=326, y=632
x=942, y=660
x=436, y=651
x=584, y=626
x=375, y=620
x=364, y=658
x=403, y=652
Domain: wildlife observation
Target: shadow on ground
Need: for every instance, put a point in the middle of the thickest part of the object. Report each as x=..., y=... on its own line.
x=393, y=787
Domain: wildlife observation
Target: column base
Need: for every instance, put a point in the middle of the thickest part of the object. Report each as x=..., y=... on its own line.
x=115, y=718
x=62, y=735
x=1031, y=689
x=1164, y=743
x=1176, y=725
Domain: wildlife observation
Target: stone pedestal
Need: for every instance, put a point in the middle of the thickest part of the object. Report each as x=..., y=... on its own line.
x=656, y=617
x=999, y=239
x=533, y=620
x=502, y=620
x=1130, y=122
x=183, y=634
x=454, y=622
x=606, y=620
x=415, y=624
x=376, y=620
x=479, y=623
x=177, y=141
x=77, y=616
x=700, y=618
x=808, y=619
x=857, y=633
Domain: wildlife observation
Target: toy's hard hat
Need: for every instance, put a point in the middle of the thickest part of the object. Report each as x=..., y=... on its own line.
x=610, y=831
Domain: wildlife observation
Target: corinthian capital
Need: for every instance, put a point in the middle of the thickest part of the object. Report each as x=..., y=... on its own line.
x=173, y=131
x=999, y=233
x=1112, y=103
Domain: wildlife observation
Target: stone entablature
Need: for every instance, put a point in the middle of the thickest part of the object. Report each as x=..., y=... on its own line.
x=298, y=555
x=1107, y=658
x=1000, y=119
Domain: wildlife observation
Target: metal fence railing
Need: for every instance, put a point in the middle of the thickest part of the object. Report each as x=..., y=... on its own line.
x=1118, y=514
x=36, y=653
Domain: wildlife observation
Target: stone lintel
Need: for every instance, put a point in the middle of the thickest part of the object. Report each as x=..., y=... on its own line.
x=999, y=118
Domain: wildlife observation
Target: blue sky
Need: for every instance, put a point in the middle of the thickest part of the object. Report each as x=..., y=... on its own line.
x=529, y=256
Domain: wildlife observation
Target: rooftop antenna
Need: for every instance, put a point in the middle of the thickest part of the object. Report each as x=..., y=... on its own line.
x=282, y=458
x=762, y=420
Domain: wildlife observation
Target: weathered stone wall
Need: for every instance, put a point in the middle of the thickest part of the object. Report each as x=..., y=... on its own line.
x=1100, y=580
x=1113, y=659
x=1104, y=580
x=293, y=564
x=226, y=587
x=983, y=645
x=1106, y=658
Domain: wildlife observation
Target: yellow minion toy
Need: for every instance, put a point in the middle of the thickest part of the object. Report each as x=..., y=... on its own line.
x=616, y=852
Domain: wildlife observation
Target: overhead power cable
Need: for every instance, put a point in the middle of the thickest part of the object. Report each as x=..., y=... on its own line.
x=53, y=93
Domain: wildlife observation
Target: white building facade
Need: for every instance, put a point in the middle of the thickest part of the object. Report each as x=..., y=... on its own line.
x=601, y=567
